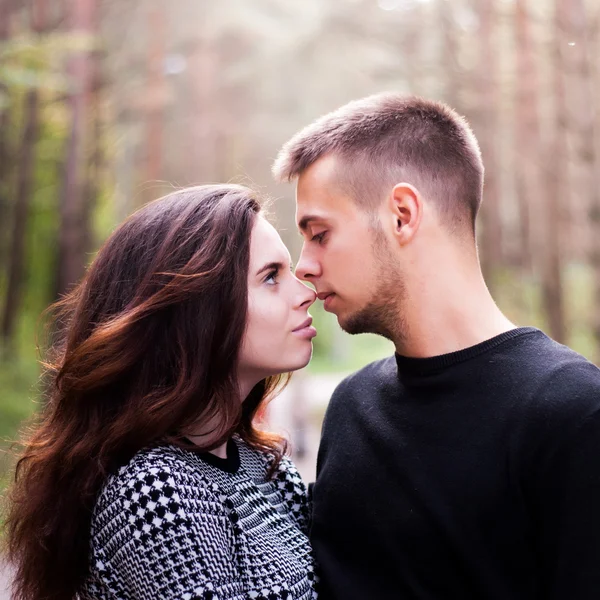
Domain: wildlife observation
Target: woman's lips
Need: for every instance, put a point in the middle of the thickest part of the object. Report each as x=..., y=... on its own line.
x=306, y=330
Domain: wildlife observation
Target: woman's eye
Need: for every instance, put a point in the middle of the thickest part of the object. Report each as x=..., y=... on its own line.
x=318, y=237
x=271, y=278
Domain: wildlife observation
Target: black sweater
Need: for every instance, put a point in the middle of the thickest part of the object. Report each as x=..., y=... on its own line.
x=473, y=475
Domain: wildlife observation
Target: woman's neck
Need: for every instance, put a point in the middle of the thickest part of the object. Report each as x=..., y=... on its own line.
x=246, y=383
x=200, y=440
x=221, y=451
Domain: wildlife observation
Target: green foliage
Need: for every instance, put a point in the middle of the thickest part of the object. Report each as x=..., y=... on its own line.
x=38, y=61
x=18, y=381
x=43, y=221
x=19, y=369
x=520, y=297
x=19, y=384
x=580, y=305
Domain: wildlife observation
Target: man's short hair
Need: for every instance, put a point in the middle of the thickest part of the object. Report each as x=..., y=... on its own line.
x=391, y=138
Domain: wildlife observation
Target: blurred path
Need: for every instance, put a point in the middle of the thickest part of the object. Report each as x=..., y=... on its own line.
x=4, y=583
x=298, y=413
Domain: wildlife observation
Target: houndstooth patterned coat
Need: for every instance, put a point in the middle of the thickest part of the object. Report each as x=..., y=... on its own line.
x=178, y=524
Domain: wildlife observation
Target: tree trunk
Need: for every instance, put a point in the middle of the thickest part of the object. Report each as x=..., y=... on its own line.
x=6, y=164
x=5, y=170
x=204, y=75
x=555, y=177
x=156, y=101
x=94, y=154
x=527, y=162
x=412, y=46
x=491, y=215
x=71, y=259
x=93, y=174
x=539, y=193
x=552, y=217
x=453, y=72
x=571, y=16
x=25, y=176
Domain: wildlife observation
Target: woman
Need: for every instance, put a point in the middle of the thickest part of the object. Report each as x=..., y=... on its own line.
x=146, y=477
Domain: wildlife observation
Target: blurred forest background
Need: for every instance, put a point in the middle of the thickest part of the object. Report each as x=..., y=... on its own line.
x=106, y=104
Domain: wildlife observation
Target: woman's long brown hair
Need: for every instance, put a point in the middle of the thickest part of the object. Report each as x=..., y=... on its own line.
x=147, y=347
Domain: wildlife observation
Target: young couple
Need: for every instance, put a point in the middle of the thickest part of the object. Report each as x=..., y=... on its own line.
x=465, y=466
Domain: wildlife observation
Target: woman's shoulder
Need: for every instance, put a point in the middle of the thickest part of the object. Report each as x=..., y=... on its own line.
x=163, y=472
x=156, y=475
x=165, y=458
x=158, y=491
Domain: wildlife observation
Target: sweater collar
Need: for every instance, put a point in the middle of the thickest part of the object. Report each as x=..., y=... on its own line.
x=421, y=366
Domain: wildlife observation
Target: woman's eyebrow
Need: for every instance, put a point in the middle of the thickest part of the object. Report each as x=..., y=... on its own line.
x=270, y=267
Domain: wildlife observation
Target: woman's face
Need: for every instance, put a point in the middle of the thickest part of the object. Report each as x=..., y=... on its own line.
x=279, y=334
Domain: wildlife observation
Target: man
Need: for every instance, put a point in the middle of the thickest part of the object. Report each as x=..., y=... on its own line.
x=467, y=466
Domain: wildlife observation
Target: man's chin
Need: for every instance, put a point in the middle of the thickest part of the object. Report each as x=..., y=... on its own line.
x=364, y=321
x=352, y=324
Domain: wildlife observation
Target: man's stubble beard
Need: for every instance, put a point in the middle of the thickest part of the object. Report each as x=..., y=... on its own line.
x=382, y=315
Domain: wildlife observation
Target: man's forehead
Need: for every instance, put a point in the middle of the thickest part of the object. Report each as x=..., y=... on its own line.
x=322, y=173
x=323, y=204
x=319, y=195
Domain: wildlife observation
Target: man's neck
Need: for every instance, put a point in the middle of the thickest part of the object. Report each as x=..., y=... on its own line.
x=450, y=314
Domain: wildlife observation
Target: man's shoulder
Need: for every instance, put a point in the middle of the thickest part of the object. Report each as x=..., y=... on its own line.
x=544, y=353
x=372, y=376
x=561, y=385
x=551, y=366
x=569, y=384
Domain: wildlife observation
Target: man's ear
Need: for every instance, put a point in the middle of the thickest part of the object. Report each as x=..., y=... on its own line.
x=404, y=210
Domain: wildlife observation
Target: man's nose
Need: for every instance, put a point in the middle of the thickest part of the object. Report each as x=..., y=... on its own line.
x=308, y=268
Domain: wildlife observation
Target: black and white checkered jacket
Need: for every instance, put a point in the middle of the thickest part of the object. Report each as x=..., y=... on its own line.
x=178, y=524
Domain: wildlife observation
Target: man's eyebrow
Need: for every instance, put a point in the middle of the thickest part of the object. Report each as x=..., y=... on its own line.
x=306, y=220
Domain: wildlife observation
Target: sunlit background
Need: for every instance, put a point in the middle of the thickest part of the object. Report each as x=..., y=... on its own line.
x=106, y=104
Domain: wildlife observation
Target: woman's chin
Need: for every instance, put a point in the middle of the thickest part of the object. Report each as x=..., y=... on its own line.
x=299, y=361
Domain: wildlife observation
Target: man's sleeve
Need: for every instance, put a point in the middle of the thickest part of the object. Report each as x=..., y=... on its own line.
x=565, y=506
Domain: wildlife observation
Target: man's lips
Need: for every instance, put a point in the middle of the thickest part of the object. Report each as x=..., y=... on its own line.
x=323, y=295
x=327, y=297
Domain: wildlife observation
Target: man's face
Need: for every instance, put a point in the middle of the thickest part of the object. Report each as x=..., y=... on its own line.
x=343, y=255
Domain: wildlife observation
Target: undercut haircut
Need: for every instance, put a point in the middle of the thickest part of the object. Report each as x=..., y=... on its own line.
x=391, y=138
